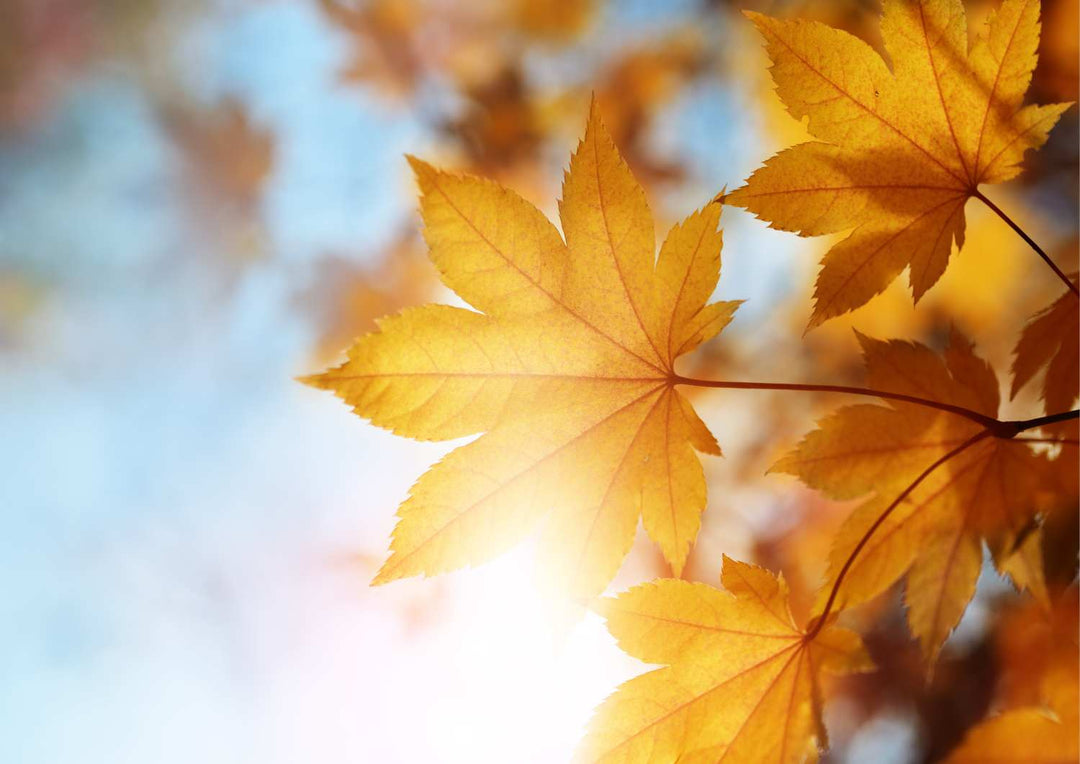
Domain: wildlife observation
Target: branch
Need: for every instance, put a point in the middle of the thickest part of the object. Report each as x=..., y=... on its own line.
x=1038, y=250
x=986, y=421
x=1042, y=421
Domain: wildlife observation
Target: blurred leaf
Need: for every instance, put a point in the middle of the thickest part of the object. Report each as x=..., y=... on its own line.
x=347, y=299
x=20, y=297
x=1041, y=669
x=637, y=84
x=41, y=43
x=383, y=34
x=556, y=20
x=230, y=156
x=501, y=125
x=1059, y=75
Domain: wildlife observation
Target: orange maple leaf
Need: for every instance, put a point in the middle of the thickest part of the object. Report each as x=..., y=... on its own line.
x=740, y=681
x=569, y=370
x=992, y=488
x=899, y=152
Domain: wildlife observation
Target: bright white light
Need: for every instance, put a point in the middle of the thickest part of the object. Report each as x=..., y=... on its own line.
x=485, y=680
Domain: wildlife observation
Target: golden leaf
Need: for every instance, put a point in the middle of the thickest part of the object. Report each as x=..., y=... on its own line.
x=569, y=372
x=740, y=681
x=898, y=152
x=992, y=490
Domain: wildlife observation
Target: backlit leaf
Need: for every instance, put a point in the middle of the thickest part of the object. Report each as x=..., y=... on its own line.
x=741, y=682
x=1052, y=340
x=898, y=151
x=993, y=490
x=568, y=370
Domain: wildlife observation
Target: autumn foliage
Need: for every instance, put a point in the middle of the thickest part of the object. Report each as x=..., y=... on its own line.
x=566, y=362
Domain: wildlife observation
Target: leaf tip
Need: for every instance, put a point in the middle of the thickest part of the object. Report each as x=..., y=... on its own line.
x=420, y=168
x=318, y=381
x=866, y=342
x=783, y=466
x=386, y=574
x=815, y=321
x=733, y=198
x=602, y=606
x=595, y=128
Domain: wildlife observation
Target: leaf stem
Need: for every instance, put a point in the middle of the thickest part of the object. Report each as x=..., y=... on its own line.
x=1042, y=421
x=877, y=524
x=974, y=416
x=1023, y=235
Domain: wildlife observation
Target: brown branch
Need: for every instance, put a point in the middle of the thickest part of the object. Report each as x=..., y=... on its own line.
x=986, y=421
x=1042, y=421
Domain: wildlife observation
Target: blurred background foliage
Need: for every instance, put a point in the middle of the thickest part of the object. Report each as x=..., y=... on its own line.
x=201, y=199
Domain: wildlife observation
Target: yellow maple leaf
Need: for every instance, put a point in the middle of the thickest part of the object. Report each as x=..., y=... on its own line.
x=740, y=681
x=1051, y=339
x=899, y=152
x=993, y=488
x=569, y=372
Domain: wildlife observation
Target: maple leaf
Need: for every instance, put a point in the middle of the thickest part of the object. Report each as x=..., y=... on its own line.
x=899, y=152
x=992, y=489
x=740, y=680
x=1051, y=339
x=569, y=371
x=1049, y=732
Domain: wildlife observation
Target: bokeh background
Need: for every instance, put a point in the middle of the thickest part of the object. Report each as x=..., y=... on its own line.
x=202, y=199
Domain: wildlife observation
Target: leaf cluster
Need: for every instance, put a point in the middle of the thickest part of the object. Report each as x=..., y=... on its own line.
x=565, y=363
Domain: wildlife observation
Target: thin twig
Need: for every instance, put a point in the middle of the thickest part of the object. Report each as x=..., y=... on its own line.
x=1023, y=235
x=974, y=416
x=1042, y=421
